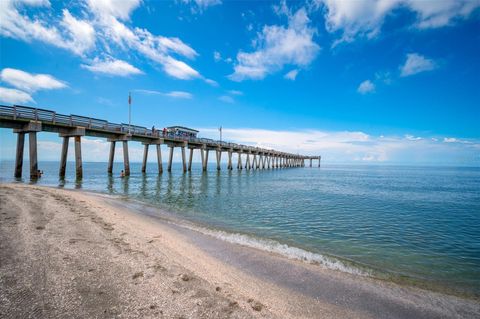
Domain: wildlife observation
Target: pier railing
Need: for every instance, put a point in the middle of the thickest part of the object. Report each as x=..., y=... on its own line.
x=18, y=112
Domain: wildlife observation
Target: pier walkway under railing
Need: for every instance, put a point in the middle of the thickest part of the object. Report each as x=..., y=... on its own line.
x=23, y=120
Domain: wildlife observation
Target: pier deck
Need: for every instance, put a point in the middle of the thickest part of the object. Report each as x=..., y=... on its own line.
x=28, y=120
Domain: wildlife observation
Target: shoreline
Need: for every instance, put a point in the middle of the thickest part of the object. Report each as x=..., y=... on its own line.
x=258, y=283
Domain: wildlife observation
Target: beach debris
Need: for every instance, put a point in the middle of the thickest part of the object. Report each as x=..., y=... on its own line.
x=185, y=277
x=257, y=306
x=137, y=275
x=218, y=288
x=40, y=227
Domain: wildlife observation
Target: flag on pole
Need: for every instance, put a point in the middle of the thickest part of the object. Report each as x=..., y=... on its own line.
x=129, y=98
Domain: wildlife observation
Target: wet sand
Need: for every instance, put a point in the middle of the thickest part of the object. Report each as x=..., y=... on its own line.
x=69, y=254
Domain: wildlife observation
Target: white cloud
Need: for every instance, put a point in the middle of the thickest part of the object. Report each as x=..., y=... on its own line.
x=30, y=82
x=291, y=75
x=14, y=96
x=226, y=99
x=75, y=35
x=412, y=138
x=105, y=27
x=235, y=92
x=203, y=4
x=416, y=63
x=173, y=94
x=450, y=140
x=365, y=17
x=211, y=82
x=112, y=67
x=217, y=56
x=351, y=146
x=118, y=9
x=179, y=95
x=277, y=46
x=82, y=33
x=365, y=87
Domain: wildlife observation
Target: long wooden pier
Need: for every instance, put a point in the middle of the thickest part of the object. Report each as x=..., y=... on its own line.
x=27, y=120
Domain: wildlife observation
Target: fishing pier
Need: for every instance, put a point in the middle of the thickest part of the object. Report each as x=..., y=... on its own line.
x=27, y=120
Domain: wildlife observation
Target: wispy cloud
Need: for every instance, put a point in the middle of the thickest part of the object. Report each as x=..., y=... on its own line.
x=234, y=92
x=416, y=63
x=351, y=146
x=226, y=99
x=365, y=87
x=173, y=94
x=104, y=29
x=179, y=95
x=291, y=75
x=277, y=46
x=75, y=35
x=14, y=96
x=201, y=5
x=30, y=82
x=366, y=17
x=111, y=66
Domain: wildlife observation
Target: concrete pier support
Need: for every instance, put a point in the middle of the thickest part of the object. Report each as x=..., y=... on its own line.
x=247, y=162
x=319, y=159
x=19, y=155
x=184, y=162
x=218, y=153
x=32, y=143
x=310, y=162
x=229, y=165
x=126, y=161
x=63, y=157
x=255, y=164
x=190, y=159
x=111, y=157
x=145, y=157
x=159, y=159
x=78, y=157
x=170, y=159
x=206, y=159
x=239, y=165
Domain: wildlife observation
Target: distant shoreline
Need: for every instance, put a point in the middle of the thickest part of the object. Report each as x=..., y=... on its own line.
x=69, y=233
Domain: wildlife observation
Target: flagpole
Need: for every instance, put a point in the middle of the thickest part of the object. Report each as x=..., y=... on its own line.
x=129, y=112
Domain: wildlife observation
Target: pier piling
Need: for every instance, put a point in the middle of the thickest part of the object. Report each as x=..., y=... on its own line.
x=184, y=162
x=78, y=158
x=32, y=141
x=145, y=157
x=159, y=159
x=111, y=157
x=190, y=159
x=19, y=154
x=63, y=157
x=126, y=162
x=170, y=159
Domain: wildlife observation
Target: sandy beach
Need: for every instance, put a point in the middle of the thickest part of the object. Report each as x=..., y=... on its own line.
x=72, y=254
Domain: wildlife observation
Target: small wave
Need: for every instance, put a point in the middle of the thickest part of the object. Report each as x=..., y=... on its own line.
x=285, y=250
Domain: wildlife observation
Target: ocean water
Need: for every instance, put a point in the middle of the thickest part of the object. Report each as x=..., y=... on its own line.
x=415, y=225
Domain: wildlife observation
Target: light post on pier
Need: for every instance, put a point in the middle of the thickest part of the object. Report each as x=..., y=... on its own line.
x=129, y=111
x=220, y=129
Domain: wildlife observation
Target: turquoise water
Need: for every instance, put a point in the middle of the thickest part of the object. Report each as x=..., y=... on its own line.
x=419, y=225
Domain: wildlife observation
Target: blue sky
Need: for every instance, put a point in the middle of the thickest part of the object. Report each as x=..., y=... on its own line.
x=373, y=81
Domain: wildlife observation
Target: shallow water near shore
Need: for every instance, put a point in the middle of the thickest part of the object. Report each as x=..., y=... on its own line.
x=414, y=224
